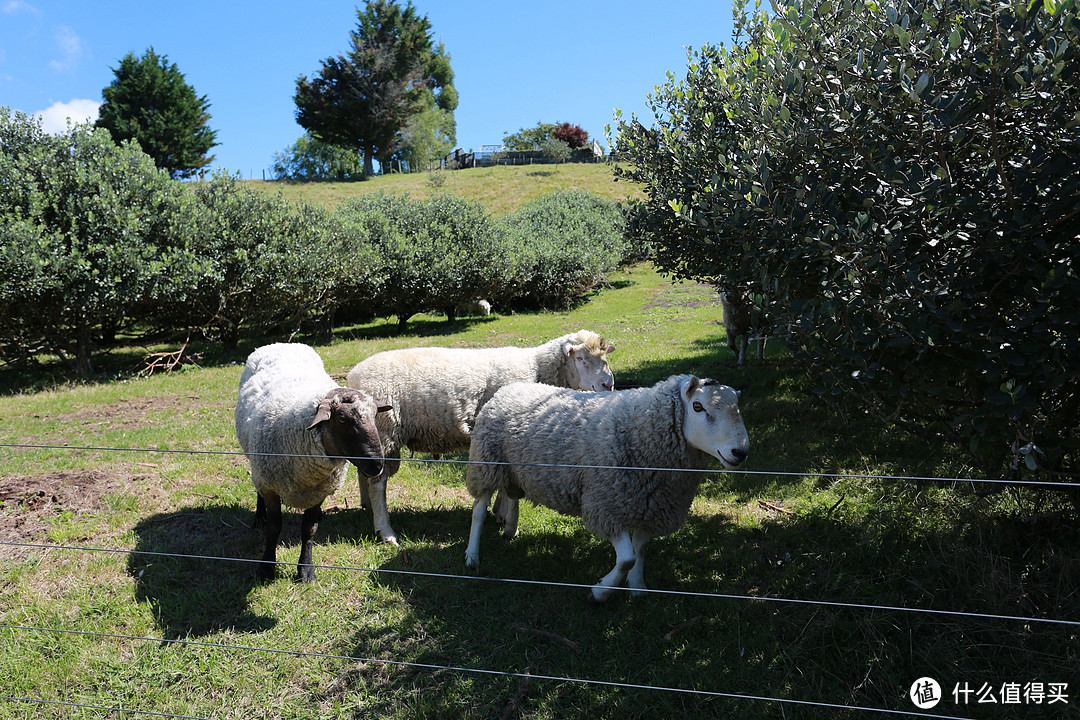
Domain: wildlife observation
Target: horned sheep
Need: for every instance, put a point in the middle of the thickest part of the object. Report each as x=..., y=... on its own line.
x=436, y=393
x=578, y=453
x=298, y=429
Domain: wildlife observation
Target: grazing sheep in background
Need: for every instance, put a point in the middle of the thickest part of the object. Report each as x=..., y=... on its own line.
x=738, y=324
x=288, y=405
x=679, y=423
x=437, y=392
x=473, y=307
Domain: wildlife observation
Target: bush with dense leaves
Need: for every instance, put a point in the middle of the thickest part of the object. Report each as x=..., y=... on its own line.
x=565, y=243
x=421, y=255
x=266, y=263
x=900, y=180
x=86, y=227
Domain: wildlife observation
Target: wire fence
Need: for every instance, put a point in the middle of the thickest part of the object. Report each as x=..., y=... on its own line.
x=784, y=702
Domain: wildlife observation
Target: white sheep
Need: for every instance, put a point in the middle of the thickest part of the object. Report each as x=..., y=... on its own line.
x=531, y=432
x=738, y=324
x=298, y=429
x=436, y=393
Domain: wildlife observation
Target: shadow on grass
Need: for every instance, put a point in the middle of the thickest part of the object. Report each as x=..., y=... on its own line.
x=193, y=597
x=821, y=653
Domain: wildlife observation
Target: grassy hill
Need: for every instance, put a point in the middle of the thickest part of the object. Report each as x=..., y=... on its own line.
x=500, y=189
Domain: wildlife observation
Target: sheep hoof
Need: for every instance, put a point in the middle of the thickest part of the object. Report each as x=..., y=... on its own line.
x=266, y=572
x=471, y=562
x=594, y=600
x=305, y=574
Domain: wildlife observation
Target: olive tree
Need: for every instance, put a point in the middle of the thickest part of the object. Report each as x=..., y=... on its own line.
x=898, y=180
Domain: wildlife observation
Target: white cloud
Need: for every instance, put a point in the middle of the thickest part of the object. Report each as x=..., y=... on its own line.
x=71, y=49
x=13, y=7
x=54, y=119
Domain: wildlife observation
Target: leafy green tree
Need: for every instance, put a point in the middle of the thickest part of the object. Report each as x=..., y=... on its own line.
x=392, y=72
x=311, y=159
x=556, y=149
x=150, y=102
x=527, y=139
x=900, y=182
x=89, y=238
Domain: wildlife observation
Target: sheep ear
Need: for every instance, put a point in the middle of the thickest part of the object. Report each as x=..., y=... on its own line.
x=610, y=349
x=322, y=414
x=691, y=386
x=568, y=349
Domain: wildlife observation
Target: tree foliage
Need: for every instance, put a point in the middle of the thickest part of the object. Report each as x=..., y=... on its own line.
x=572, y=135
x=150, y=102
x=310, y=159
x=900, y=182
x=392, y=72
x=86, y=237
x=527, y=139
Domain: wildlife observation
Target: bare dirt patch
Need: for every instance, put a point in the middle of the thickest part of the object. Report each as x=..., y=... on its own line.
x=27, y=502
x=128, y=413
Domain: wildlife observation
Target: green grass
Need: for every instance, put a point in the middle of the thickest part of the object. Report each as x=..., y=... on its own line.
x=797, y=535
x=500, y=189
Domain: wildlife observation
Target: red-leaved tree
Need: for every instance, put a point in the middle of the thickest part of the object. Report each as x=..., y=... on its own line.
x=572, y=135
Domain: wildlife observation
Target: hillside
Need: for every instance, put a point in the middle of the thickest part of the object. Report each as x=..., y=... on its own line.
x=500, y=189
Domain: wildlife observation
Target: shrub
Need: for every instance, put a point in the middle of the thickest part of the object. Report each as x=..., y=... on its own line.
x=310, y=159
x=565, y=241
x=425, y=255
x=900, y=180
x=265, y=263
x=86, y=226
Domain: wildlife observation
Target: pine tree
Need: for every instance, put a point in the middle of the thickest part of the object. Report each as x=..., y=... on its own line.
x=151, y=103
x=392, y=72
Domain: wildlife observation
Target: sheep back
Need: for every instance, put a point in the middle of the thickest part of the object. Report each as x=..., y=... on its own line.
x=436, y=392
x=280, y=391
x=538, y=424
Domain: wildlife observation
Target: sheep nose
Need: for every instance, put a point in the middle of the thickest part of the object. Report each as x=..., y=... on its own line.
x=607, y=386
x=738, y=454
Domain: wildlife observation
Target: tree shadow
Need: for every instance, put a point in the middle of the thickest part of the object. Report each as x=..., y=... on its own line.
x=827, y=652
x=191, y=596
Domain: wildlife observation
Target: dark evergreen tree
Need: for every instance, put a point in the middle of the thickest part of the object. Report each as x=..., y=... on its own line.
x=392, y=72
x=151, y=103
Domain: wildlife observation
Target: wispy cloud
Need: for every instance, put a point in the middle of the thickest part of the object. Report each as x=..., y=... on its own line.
x=14, y=7
x=70, y=46
x=54, y=119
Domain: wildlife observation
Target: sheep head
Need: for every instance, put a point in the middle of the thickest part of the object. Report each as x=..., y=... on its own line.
x=712, y=422
x=345, y=420
x=588, y=353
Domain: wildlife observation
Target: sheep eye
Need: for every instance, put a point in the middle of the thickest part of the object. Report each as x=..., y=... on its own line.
x=698, y=407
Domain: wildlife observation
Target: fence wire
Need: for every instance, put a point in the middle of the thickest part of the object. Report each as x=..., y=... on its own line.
x=572, y=586
x=476, y=578
x=1049, y=484
x=482, y=671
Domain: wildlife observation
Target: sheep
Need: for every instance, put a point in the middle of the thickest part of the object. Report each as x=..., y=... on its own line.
x=469, y=307
x=738, y=324
x=528, y=434
x=298, y=427
x=437, y=392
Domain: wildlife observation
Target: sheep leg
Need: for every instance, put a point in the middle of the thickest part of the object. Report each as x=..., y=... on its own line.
x=260, y=510
x=305, y=569
x=636, y=577
x=365, y=495
x=380, y=515
x=624, y=563
x=743, y=340
x=505, y=510
x=761, y=348
x=271, y=505
x=479, y=512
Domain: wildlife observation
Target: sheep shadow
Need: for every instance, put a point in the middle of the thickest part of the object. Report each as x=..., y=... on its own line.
x=176, y=572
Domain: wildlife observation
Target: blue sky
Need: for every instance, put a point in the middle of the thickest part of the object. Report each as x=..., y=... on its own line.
x=515, y=64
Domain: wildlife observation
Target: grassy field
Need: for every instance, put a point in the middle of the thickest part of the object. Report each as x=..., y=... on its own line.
x=500, y=189
x=376, y=635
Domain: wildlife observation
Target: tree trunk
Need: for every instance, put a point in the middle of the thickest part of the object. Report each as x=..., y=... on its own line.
x=369, y=162
x=83, y=366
